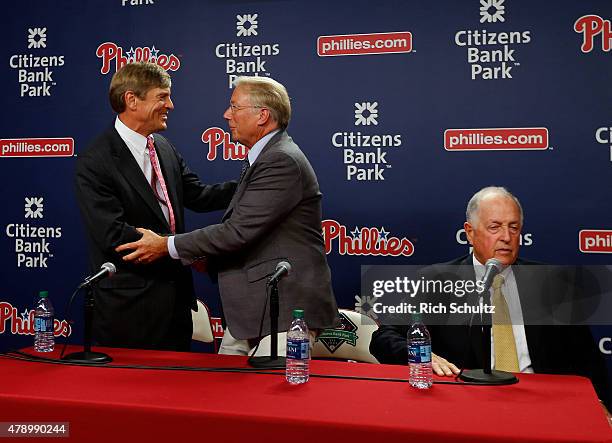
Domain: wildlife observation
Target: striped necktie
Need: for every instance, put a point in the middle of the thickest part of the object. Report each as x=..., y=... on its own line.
x=157, y=177
x=245, y=167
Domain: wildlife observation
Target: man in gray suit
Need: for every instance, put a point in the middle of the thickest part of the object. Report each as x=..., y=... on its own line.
x=275, y=215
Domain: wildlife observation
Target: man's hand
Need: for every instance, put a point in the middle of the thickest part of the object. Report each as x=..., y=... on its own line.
x=149, y=248
x=443, y=367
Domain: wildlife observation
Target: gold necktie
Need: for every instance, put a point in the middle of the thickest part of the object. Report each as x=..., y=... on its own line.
x=504, y=345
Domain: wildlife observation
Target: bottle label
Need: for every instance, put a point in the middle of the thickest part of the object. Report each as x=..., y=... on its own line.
x=419, y=353
x=298, y=349
x=43, y=324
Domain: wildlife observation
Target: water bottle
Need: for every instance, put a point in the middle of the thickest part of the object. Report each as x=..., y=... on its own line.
x=419, y=356
x=298, y=349
x=43, y=324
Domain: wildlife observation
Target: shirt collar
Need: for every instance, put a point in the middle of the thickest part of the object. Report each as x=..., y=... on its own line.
x=133, y=139
x=258, y=147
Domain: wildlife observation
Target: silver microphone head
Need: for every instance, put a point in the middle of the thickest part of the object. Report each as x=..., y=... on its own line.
x=110, y=268
x=284, y=264
x=492, y=268
x=495, y=263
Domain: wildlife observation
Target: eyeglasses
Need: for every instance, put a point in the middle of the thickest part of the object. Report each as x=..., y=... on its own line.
x=234, y=108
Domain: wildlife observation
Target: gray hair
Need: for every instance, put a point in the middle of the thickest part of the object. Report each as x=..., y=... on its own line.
x=267, y=93
x=471, y=213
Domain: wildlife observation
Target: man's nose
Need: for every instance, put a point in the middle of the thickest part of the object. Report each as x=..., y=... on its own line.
x=227, y=114
x=505, y=234
x=169, y=103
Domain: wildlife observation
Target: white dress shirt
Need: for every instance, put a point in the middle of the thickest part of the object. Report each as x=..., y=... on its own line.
x=510, y=291
x=137, y=144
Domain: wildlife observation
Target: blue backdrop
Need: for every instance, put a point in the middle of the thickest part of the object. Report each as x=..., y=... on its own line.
x=374, y=87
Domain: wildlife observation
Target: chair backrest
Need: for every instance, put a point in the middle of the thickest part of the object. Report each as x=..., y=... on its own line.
x=202, y=328
x=264, y=348
x=348, y=341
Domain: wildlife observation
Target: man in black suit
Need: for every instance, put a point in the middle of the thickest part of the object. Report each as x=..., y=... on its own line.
x=493, y=228
x=275, y=216
x=131, y=177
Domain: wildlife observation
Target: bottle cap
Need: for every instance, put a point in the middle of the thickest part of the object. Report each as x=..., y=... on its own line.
x=298, y=313
x=43, y=294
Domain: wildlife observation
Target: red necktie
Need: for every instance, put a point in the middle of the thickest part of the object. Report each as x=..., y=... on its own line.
x=156, y=176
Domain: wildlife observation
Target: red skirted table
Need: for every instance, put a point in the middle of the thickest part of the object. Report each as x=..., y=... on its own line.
x=105, y=404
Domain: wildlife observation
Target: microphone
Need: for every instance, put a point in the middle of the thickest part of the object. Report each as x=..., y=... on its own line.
x=486, y=375
x=87, y=355
x=106, y=270
x=282, y=268
x=492, y=268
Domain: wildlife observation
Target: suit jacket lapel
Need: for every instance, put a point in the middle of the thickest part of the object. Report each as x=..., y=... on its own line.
x=127, y=166
x=239, y=191
x=527, y=283
x=476, y=332
x=242, y=186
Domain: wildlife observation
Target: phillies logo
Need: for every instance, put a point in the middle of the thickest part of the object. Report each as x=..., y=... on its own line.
x=217, y=138
x=109, y=51
x=595, y=241
x=591, y=26
x=23, y=324
x=364, y=241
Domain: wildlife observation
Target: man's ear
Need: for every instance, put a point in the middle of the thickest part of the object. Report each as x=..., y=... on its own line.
x=469, y=232
x=264, y=117
x=130, y=100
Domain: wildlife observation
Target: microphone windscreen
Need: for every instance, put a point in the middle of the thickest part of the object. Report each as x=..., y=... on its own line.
x=284, y=264
x=110, y=268
x=495, y=263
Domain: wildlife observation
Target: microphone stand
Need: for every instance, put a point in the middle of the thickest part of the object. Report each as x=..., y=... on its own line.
x=87, y=355
x=487, y=375
x=273, y=361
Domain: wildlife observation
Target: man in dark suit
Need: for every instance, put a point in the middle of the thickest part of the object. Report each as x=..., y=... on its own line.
x=275, y=215
x=493, y=227
x=130, y=177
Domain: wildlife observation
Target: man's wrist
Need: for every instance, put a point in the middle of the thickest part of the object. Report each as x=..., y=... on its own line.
x=171, y=248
